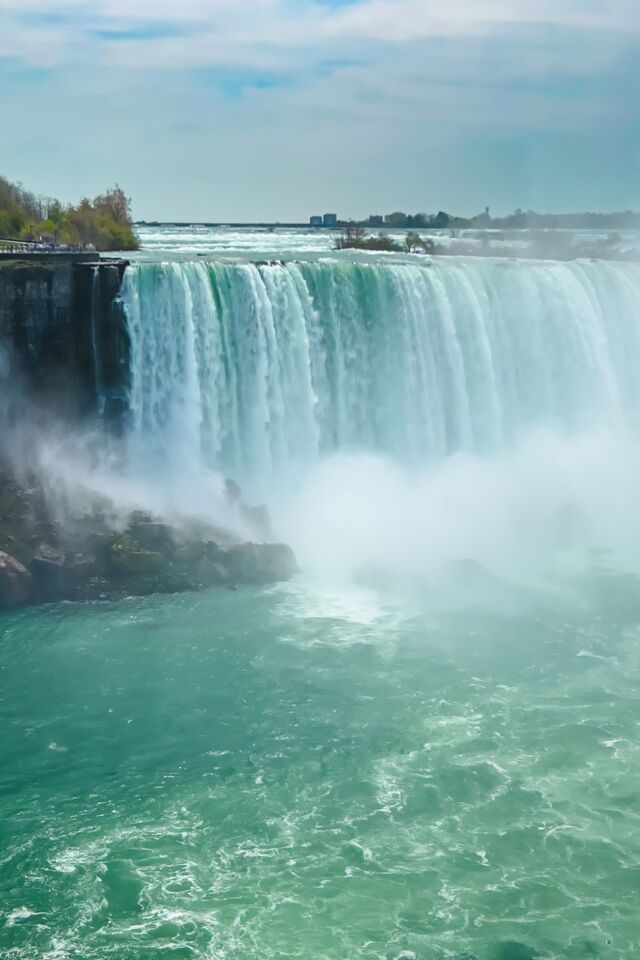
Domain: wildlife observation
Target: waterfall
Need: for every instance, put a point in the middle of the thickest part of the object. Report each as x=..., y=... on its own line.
x=95, y=346
x=261, y=369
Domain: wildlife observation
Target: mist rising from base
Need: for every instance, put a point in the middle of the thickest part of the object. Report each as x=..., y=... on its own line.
x=537, y=519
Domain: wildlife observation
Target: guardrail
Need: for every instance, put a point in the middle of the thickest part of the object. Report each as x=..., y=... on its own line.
x=29, y=251
x=52, y=259
x=11, y=245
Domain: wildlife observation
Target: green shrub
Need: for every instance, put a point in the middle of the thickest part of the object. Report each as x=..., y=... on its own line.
x=104, y=222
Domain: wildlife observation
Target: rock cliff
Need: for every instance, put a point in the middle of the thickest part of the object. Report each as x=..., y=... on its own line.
x=62, y=329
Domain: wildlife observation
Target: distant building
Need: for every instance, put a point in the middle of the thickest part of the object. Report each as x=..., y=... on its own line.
x=396, y=219
x=483, y=219
x=376, y=220
x=330, y=220
x=315, y=221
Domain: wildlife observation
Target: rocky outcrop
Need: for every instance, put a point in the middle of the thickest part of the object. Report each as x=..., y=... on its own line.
x=15, y=583
x=59, y=576
x=86, y=559
x=154, y=556
x=64, y=360
x=258, y=562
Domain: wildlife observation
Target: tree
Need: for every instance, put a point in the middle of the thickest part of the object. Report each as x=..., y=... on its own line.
x=355, y=237
x=115, y=204
x=354, y=231
x=104, y=223
x=442, y=220
x=352, y=236
x=414, y=243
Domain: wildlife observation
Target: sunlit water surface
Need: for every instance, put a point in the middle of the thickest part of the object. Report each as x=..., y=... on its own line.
x=320, y=772
x=286, y=243
x=383, y=768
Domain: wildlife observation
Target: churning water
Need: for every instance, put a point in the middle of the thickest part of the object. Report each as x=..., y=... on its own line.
x=407, y=410
x=425, y=746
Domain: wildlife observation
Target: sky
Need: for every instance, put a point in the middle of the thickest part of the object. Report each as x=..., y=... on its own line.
x=236, y=110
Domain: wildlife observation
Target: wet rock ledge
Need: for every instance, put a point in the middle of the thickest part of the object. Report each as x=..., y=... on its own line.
x=84, y=558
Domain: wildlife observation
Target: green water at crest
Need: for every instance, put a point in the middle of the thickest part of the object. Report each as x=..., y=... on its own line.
x=297, y=773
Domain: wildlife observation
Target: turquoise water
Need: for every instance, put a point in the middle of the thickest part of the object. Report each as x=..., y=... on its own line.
x=262, y=370
x=318, y=773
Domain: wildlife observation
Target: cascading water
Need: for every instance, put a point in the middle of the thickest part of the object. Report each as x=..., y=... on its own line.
x=97, y=365
x=260, y=369
x=426, y=744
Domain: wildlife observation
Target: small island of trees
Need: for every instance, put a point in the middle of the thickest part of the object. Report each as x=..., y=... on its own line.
x=355, y=237
x=550, y=243
x=103, y=223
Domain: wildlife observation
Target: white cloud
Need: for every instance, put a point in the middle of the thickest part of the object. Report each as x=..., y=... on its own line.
x=223, y=32
x=401, y=20
x=269, y=108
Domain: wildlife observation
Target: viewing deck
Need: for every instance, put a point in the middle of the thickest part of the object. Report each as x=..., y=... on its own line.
x=43, y=256
x=31, y=252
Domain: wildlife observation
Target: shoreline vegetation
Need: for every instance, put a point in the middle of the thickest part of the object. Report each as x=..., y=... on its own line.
x=355, y=237
x=103, y=224
x=534, y=244
x=518, y=220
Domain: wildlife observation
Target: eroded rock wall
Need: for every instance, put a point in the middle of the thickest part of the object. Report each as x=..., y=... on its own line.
x=64, y=336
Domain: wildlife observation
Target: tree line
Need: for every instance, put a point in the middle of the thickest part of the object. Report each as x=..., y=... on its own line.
x=518, y=220
x=104, y=222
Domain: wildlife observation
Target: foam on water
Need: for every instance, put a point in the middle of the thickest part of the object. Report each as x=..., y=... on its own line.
x=454, y=788
x=393, y=414
x=215, y=242
x=379, y=760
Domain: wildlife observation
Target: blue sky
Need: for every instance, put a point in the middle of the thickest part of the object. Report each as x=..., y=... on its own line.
x=277, y=109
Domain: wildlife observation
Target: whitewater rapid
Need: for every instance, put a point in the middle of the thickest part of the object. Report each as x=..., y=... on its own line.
x=261, y=370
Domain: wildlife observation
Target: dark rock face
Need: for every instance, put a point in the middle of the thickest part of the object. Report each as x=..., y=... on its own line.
x=15, y=582
x=169, y=560
x=63, y=328
x=59, y=576
x=48, y=574
x=24, y=522
x=43, y=561
x=259, y=562
x=152, y=534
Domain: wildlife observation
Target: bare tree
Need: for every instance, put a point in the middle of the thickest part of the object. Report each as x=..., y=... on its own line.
x=116, y=205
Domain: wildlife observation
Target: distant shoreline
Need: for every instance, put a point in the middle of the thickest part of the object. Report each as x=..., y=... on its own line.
x=268, y=227
x=518, y=223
